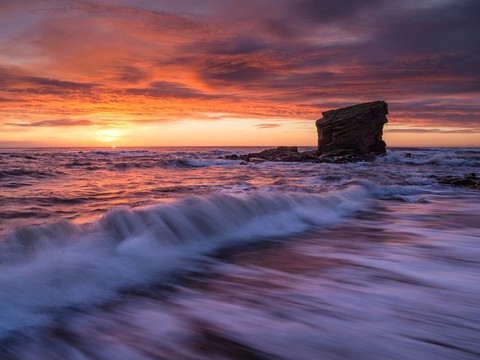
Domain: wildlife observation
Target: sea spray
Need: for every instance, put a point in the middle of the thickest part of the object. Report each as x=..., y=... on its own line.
x=47, y=268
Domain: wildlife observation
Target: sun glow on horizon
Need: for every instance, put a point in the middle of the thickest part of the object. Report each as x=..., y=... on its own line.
x=109, y=135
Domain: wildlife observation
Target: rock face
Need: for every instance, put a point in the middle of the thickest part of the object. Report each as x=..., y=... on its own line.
x=353, y=131
x=345, y=135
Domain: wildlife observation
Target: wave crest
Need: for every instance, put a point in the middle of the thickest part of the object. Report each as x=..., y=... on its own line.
x=50, y=267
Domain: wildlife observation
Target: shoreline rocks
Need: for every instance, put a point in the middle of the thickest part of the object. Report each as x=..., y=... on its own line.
x=291, y=154
x=349, y=134
x=470, y=181
x=281, y=153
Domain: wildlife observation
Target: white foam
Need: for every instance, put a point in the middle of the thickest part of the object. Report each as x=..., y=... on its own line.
x=435, y=158
x=209, y=162
x=44, y=269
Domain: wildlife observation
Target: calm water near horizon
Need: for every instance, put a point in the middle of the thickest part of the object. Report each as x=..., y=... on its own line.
x=177, y=253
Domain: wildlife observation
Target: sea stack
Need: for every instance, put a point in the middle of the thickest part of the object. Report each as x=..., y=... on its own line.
x=354, y=130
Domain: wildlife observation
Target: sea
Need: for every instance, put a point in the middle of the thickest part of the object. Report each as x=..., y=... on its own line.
x=178, y=253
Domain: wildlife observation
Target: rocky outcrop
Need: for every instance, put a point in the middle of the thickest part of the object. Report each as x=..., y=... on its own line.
x=281, y=153
x=349, y=134
x=471, y=181
x=354, y=131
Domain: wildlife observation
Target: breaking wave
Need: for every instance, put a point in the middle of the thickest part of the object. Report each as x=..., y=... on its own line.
x=44, y=269
x=453, y=158
x=194, y=163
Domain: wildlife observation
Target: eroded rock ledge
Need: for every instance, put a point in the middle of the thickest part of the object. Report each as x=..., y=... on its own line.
x=281, y=153
x=291, y=154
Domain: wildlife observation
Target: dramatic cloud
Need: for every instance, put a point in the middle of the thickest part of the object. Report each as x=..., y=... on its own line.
x=140, y=63
x=434, y=131
x=63, y=85
x=55, y=123
x=166, y=89
x=267, y=126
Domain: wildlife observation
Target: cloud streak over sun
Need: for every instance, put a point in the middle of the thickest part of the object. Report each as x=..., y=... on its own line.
x=139, y=68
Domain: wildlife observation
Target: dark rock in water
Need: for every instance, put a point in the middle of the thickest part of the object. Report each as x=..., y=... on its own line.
x=232, y=157
x=345, y=135
x=354, y=131
x=281, y=153
x=291, y=154
x=470, y=181
x=286, y=149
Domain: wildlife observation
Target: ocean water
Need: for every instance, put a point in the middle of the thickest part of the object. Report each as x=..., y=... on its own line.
x=176, y=253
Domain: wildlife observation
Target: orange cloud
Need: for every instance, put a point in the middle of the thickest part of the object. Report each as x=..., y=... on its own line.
x=136, y=65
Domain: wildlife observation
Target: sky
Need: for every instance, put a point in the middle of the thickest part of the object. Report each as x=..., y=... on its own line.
x=235, y=72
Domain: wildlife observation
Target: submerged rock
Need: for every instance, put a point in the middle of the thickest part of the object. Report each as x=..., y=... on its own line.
x=470, y=181
x=291, y=154
x=281, y=153
x=354, y=132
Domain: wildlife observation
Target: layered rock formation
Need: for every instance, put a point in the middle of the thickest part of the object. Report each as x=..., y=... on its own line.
x=354, y=131
x=348, y=134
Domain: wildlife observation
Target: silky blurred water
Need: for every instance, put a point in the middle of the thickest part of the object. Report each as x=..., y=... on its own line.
x=177, y=253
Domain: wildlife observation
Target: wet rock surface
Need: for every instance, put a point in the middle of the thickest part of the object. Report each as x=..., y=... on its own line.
x=349, y=134
x=471, y=181
x=291, y=154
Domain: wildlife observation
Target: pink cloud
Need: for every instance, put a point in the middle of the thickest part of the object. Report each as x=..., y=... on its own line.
x=261, y=59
